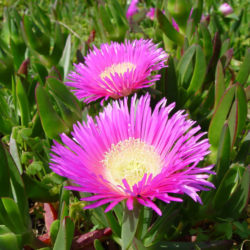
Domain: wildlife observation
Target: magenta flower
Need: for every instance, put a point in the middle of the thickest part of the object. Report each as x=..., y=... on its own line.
x=134, y=153
x=225, y=9
x=116, y=70
x=175, y=25
x=132, y=9
x=151, y=13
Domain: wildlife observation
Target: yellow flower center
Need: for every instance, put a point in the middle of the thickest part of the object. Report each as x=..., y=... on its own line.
x=119, y=68
x=131, y=159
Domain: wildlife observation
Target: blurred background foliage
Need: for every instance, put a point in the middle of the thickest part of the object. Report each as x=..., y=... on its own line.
x=207, y=74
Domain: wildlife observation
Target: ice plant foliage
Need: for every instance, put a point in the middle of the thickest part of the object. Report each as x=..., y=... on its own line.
x=133, y=153
x=116, y=70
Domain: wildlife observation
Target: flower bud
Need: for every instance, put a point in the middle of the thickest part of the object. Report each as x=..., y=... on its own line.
x=225, y=9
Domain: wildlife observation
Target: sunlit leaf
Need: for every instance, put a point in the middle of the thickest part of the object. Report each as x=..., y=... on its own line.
x=168, y=28
x=220, y=116
x=129, y=225
x=51, y=122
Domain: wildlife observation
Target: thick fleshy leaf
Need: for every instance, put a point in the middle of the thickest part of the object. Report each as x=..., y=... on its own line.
x=8, y=240
x=239, y=197
x=14, y=151
x=50, y=215
x=119, y=212
x=244, y=69
x=5, y=190
x=244, y=151
x=59, y=44
x=54, y=228
x=242, y=107
x=225, y=47
x=227, y=186
x=215, y=57
x=106, y=21
x=51, y=122
x=120, y=19
x=184, y=63
x=161, y=224
x=144, y=222
x=113, y=223
x=98, y=217
x=41, y=71
x=98, y=245
x=199, y=71
x=65, y=59
x=40, y=17
x=66, y=102
x=64, y=203
x=168, y=29
x=6, y=123
x=23, y=103
x=11, y=216
x=219, y=84
x=223, y=155
x=220, y=117
x=64, y=94
x=17, y=49
x=18, y=192
x=129, y=225
x=238, y=113
x=197, y=11
x=65, y=235
x=168, y=82
x=208, y=101
x=37, y=191
x=207, y=41
x=34, y=37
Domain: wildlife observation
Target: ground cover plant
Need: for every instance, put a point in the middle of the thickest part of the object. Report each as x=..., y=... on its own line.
x=124, y=124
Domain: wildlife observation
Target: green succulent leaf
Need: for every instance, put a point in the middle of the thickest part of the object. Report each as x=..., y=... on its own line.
x=199, y=71
x=184, y=64
x=65, y=59
x=244, y=72
x=223, y=155
x=23, y=103
x=129, y=225
x=65, y=235
x=219, y=84
x=220, y=116
x=9, y=240
x=168, y=28
x=52, y=124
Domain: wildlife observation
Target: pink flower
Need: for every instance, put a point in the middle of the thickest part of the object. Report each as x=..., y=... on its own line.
x=132, y=9
x=131, y=152
x=151, y=13
x=225, y=9
x=116, y=70
x=175, y=25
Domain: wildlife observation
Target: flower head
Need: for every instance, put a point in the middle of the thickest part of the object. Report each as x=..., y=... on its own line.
x=132, y=9
x=116, y=70
x=225, y=9
x=134, y=153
